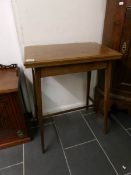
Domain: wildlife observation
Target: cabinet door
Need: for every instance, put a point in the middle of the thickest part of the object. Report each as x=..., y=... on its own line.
x=5, y=113
x=11, y=120
x=126, y=50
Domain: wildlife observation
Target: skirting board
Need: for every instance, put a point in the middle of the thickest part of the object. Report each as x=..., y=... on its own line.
x=66, y=108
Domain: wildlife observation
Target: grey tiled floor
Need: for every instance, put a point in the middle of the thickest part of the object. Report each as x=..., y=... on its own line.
x=75, y=145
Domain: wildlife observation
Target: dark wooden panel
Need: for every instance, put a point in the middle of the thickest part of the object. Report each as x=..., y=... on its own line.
x=129, y=3
x=12, y=124
x=114, y=19
x=126, y=49
x=117, y=35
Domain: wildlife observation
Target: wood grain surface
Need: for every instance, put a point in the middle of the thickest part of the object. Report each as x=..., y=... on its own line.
x=8, y=81
x=61, y=54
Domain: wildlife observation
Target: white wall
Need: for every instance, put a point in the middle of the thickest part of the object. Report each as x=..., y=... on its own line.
x=60, y=21
x=9, y=46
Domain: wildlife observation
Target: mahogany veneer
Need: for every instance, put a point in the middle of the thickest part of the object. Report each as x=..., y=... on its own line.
x=13, y=130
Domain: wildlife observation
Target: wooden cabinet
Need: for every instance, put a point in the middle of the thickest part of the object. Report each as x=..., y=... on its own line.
x=117, y=35
x=13, y=130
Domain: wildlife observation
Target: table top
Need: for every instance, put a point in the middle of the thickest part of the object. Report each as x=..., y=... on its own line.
x=62, y=54
x=8, y=81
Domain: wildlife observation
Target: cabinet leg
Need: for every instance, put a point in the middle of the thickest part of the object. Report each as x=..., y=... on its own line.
x=107, y=95
x=37, y=78
x=88, y=88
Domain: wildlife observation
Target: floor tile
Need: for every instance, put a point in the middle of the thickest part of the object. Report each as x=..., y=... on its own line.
x=89, y=111
x=10, y=156
x=48, y=120
x=124, y=118
x=15, y=170
x=129, y=131
x=33, y=123
x=116, y=143
x=52, y=162
x=88, y=159
x=72, y=129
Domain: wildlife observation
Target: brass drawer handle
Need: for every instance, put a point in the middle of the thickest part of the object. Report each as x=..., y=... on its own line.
x=124, y=48
x=20, y=133
x=121, y=3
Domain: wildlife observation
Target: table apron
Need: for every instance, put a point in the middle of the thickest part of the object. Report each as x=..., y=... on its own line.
x=72, y=68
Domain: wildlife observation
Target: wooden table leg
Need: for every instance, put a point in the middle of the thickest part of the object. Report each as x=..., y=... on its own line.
x=39, y=104
x=88, y=88
x=107, y=95
x=34, y=97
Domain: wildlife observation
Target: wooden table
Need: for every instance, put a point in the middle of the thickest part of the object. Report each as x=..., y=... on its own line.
x=51, y=60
